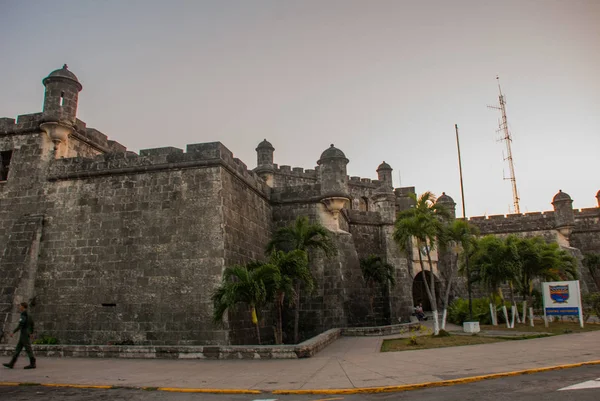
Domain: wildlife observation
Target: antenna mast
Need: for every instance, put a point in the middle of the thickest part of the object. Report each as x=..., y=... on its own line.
x=508, y=139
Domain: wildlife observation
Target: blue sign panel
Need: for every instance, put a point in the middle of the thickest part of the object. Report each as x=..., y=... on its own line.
x=562, y=311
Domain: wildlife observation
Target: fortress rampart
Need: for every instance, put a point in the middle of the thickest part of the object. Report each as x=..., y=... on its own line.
x=114, y=246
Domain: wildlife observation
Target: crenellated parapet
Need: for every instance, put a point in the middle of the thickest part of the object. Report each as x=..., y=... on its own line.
x=563, y=220
x=96, y=139
x=587, y=219
x=297, y=172
x=514, y=223
x=30, y=123
x=24, y=124
x=364, y=182
x=210, y=154
x=586, y=212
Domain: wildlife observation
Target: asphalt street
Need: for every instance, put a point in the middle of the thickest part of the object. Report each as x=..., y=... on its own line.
x=534, y=387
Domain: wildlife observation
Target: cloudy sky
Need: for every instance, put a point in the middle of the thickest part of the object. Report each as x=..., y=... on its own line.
x=382, y=80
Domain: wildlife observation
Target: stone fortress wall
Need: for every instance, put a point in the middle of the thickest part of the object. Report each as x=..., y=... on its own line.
x=114, y=247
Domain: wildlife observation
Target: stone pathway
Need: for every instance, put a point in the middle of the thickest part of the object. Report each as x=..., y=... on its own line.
x=347, y=363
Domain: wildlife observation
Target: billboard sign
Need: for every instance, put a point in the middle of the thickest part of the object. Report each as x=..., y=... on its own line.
x=562, y=298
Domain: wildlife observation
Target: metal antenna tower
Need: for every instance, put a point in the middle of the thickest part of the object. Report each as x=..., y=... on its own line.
x=503, y=127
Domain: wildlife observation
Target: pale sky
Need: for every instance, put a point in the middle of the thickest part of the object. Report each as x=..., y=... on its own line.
x=382, y=80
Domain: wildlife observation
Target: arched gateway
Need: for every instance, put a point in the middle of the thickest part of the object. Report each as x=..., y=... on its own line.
x=419, y=291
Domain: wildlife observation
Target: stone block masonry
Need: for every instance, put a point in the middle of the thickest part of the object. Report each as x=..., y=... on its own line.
x=132, y=246
x=132, y=258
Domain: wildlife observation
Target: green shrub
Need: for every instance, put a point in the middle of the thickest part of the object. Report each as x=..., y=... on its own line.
x=458, y=311
x=591, y=303
x=538, y=300
x=412, y=340
x=46, y=339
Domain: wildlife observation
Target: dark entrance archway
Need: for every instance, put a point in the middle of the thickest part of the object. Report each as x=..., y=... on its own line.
x=420, y=293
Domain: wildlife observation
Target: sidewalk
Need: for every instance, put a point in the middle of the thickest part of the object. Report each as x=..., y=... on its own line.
x=350, y=362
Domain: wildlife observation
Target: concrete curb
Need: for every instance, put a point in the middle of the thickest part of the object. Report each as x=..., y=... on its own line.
x=206, y=390
x=358, y=390
x=147, y=388
x=441, y=383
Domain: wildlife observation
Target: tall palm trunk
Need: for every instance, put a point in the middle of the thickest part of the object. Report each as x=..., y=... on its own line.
x=430, y=289
x=447, y=295
x=493, y=313
x=514, y=308
x=424, y=278
x=371, y=295
x=280, y=319
x=258, y=334
x=433, y=299
x=297, y=314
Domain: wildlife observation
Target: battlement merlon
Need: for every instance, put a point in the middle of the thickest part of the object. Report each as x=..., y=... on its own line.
x=587, y=212
x=299, y=172
x=30, y=123
x=96, y=139
x=514, y=223
x=24, y=124
x=159, y=159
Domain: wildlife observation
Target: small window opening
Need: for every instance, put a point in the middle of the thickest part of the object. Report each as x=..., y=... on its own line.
x=62, y=99
x=363, y=204
x=109, y=305
x=5, y=157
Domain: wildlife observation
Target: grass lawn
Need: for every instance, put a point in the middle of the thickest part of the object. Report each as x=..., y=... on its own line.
x=554, y=327
x=425, y=342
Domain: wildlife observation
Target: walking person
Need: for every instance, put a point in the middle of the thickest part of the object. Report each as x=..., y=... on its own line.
x=26, y=328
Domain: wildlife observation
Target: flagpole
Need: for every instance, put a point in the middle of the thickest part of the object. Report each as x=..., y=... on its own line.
x=464, y=215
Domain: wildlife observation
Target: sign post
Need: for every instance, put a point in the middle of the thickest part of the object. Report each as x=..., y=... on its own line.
x=562, y=298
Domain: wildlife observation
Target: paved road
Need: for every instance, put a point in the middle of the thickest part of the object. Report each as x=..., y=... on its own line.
x=541, y=386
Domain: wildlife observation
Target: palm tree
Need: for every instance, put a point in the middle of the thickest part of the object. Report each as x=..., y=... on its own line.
x=494, y=263
x=376, y=271
x=245, y=284
x=292, y=266
x=423, y=222
x=538, y=259
x=458, y=237
x=519, y=262
x=304, y=236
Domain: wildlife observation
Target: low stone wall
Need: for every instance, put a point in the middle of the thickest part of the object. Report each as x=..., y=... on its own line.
x=313, y=345
x=380, y=330
x=303, y=350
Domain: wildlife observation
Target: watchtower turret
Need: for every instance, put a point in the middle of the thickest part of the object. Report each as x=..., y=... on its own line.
x=563, y=213
x=60, y=106
x=334, y=183
x=264, y=163
x=61, y=96
x=384, y=174
x=448, y=203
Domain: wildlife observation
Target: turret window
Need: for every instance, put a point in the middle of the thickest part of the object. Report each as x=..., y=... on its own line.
x=62, y=99
x=5, y=157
